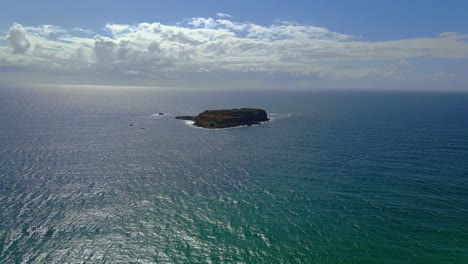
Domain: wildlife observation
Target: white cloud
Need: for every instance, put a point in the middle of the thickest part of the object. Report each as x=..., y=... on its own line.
x=18, y=39
x=200, y=22
x=118, y=29
x=85, y=31
x=223, y=23
x=221, y=47
x=45, y=30
x=443, y=76
x=105, y=49
x=399, y=69
x=223, y=15
x=294, y=32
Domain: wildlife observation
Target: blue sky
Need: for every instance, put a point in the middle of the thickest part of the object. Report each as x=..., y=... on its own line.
x=308, y=44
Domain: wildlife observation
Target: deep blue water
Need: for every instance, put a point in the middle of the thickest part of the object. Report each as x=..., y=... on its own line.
x=335, y=177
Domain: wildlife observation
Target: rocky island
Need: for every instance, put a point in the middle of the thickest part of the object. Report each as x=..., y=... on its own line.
x=228, y=118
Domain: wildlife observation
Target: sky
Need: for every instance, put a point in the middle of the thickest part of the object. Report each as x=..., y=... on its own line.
x=323, y=44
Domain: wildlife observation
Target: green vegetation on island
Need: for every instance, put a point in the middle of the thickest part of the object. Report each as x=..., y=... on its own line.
x=228, y=118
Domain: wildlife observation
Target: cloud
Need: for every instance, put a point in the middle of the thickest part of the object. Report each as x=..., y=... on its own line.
x=401, y=67
x=118, y=29
x=223, y=15
x=85, y=31
x=200, y=22
x=45, y=30
x=18, y=39
x=221, y=47
x=105, y=49
x=443, y=76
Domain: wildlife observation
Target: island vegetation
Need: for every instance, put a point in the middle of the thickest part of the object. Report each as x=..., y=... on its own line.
x=228, y=118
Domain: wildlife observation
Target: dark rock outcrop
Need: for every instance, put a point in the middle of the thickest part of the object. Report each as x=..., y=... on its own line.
x=228, y=118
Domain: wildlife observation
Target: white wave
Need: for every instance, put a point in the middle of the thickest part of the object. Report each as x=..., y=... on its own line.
x=158, y=115
x=276, y=116
x=192, y=124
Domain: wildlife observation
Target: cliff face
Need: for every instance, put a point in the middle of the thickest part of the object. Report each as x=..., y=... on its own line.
x=228, y=118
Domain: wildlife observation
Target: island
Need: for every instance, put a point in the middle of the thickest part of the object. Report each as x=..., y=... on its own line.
x=228, y=118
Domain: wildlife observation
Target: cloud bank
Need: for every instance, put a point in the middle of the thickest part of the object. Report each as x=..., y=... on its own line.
x=221, y=49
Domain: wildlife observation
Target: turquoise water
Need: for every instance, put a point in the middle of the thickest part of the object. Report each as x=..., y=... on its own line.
x=335, y=177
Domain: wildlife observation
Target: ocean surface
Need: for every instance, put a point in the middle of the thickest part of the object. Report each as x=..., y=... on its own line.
x=335, y=177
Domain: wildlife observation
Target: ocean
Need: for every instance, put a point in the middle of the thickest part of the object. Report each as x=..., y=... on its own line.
x=97, y=176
